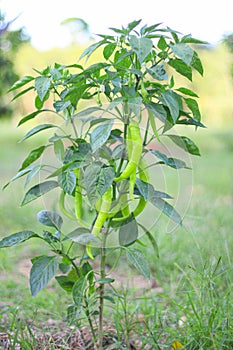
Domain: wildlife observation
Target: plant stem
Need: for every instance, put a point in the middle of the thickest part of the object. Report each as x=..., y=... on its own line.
x=146, y=132
x=122, y=159
x=89, y=320
x=74, y=127
x=65, y=255
x=101, y=288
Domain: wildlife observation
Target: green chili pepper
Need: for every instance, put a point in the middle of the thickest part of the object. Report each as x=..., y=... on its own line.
x=123, y=201
x=62, y=206
x=78, y=196
x=144, y=176
x=103, y=212
x=132, y=182
x=134, y=149
x=104, y=208
x=88, y=250
x=153, y=125
x=144, y=91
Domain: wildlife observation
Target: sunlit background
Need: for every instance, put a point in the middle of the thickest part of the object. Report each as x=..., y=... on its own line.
x=53, y=37
x=208, y=20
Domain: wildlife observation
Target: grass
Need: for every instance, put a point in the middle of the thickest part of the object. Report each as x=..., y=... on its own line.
x=191, y=299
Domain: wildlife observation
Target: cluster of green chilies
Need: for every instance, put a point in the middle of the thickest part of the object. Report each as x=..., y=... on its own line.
x=105, y=207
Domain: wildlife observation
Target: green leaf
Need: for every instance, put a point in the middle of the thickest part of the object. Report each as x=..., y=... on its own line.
x=189, y=39
x=100, y=134
x=97, y=180
x=172, y=162
x=76, y=233
x=108, y=50
x=17, y=238
x=38, y=190
x=162, y=45
x=141, y=46
x=34, y=170
x=67, y=181
x=196, y=64
x=171, y=100
x=61, y=105
x=42, y=271
x=33, y=155
x=21, y=82
x=184, y=52
x=187, y=91
x=50, y=218
x=37, y=129
x=17, y=176
x=128, y=232
x=86, y=112
x=191, y=121
x=152, y=28
x=114, y=103
x=158, y=72
x=84, y=238
x=157, y=110
x=133, y=24
x=166, y=208
x=58, y=149
x=193, y=106
x=65, y=283
x=151, y=239
x=73, y=314
x=185, y=143
x=22, y=93
x=118, y=151
x=50, y=238
x=42, y=85
x=181, y=68
x=138, y=260
x=147, y=191
x=78, y=291
x=134, y=104
x=89, y=50
x=106, y=280
x=38, y=103
x=31, y=116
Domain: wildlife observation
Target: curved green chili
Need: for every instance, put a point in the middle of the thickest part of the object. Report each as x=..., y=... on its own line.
x=78, y=196
x=143, y=176
x=104, y=207
x=103, y=212
x=62, y=206
x=123, y=201
x=134, y=146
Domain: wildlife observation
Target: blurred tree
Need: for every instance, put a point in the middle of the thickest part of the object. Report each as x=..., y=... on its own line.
x=78, y=28
x=10, y=41
x=228, y=40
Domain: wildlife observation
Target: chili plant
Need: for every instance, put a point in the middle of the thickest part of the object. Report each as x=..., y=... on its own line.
x=104, y=156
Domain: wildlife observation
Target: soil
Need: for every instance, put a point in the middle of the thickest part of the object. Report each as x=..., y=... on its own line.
x=79, y=339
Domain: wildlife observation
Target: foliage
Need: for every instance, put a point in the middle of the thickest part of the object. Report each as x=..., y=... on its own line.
x=228, y=40
x=10, y=41
x=102, y=154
